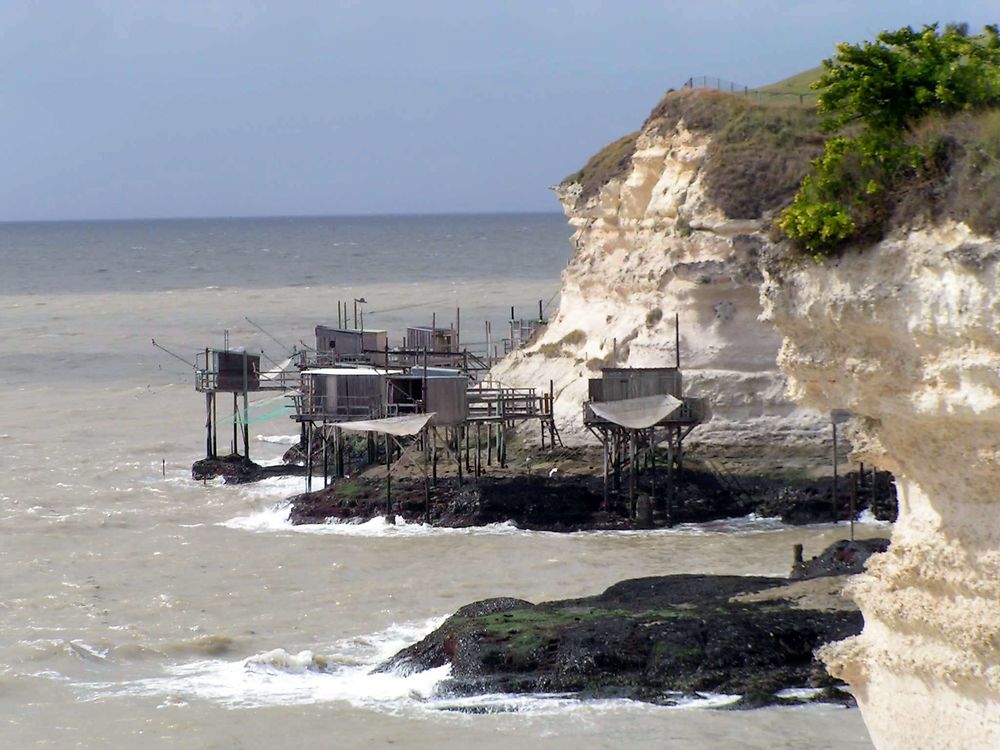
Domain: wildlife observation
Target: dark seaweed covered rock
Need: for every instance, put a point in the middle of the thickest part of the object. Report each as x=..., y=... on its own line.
x=530, y=503
x=237, y=469
x=811, y=501
x=648, y=639
x=575, y=503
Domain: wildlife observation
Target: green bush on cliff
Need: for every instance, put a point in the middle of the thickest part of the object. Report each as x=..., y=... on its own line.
x=874, y=95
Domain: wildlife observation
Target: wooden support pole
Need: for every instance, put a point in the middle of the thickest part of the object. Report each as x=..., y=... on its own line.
x=468, y=458
x=854, y=502
x=671, y=482
x=616, y=460
x=208, y=425
x=340, y=468
x=215, y=426
x=434, y=457
x=652, y=463
x=633, y=473
x=246, y=408
x=234, y=448
x=458, y=454
x=427, y=481
x=309, y=457
x=605, y=451
x=479, y=449
x=489, y=437
x=389, y=517
x=326, y=457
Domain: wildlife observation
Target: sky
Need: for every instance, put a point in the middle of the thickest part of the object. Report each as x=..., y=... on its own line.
x=177, y=108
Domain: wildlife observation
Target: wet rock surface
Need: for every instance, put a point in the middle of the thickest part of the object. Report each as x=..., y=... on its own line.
x=576, y=502
x=528, y=503
x=657, y=639
x=845, y=557
x=239, y=470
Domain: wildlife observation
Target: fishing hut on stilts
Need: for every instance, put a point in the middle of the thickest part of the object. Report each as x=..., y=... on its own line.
x=359, y=402
x=632, y=411
x=235, y=371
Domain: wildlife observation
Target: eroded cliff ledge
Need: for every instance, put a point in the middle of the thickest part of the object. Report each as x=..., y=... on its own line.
x=672, y=219
x=905, y=335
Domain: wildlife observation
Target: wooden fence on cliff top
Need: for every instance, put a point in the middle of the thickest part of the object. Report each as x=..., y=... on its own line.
x=763, y=96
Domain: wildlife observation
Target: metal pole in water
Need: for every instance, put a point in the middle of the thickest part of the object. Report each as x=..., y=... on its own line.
x=835, y=519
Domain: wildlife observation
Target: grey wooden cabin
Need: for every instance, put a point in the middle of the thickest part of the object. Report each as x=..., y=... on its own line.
x=351, y=344
x=341, y=394
x=447, y=396
x=434, y=340
x=223, y=370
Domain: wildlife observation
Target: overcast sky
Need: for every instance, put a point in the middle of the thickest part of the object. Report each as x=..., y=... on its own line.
x=126, y=108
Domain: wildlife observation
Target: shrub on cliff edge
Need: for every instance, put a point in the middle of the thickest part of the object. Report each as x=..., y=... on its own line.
x=874, y=94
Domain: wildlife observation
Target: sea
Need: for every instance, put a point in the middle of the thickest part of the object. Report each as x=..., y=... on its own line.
x=142, y=609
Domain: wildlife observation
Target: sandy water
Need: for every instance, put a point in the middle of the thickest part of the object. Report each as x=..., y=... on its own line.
x=142, y=609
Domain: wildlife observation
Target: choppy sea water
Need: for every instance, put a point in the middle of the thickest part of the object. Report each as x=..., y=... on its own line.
x=142, y=609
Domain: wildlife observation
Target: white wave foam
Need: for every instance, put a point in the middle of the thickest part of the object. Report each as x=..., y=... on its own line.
x=279, y=439
x=276, y=461
x=270, y=519
x=868, y=518
x=750, y=524
x=278, y=677
x=276, y=518
x=274, y=488
x=283, y=661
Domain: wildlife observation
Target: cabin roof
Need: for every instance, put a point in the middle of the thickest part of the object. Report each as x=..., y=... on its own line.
x=347, y=371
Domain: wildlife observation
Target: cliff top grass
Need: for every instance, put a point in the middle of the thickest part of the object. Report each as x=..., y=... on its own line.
x=611, y=161
x=800, y=83
x=756, y=158
x=915, y=123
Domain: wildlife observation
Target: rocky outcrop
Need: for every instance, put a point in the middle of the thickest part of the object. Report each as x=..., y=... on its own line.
x=652, y=639
x=904, y=335
x=575, y=502
x=236, y=469
x=668, y=221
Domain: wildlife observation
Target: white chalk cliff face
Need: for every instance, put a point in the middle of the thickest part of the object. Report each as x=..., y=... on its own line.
x=647, y=245
x=907, y=336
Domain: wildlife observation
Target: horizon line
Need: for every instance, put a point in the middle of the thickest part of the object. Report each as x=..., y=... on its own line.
x=245, y=217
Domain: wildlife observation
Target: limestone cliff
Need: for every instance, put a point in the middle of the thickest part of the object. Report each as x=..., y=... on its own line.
x=905, y=335
x=671, y=220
